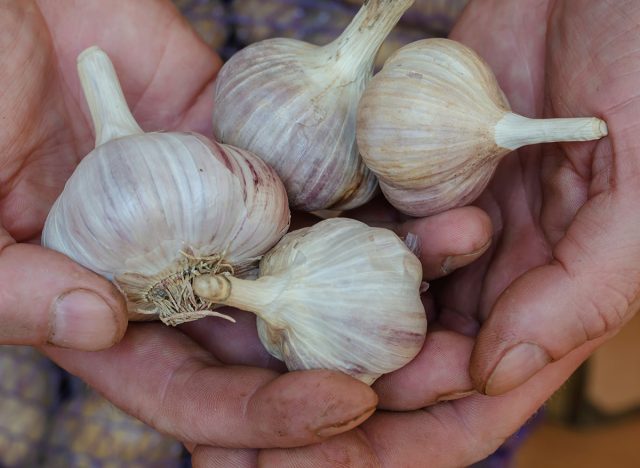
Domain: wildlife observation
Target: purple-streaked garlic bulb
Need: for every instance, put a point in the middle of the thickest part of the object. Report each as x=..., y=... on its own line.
x=294, y=105
x=433, y=125
x=151, y=211
x=338, y=295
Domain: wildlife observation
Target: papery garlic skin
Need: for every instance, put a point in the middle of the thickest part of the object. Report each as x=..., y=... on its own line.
x=294, y=105
x=149, y=210
x=338, y=295
x=434, y=124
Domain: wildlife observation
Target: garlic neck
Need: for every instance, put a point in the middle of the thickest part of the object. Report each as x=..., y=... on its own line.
x=109, y=110
x=514, y=131
x=359, y=43
x=254, y=296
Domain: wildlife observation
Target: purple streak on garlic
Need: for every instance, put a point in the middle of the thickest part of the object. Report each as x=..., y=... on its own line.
x=434, y=124
x=151, y=210
x=338, y=295
x=294, y=105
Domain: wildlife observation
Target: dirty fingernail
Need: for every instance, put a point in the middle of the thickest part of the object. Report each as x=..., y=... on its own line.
x=82, y=320
x=517, y=366
x=343, y=426
x=455, y=396
x=453, y=262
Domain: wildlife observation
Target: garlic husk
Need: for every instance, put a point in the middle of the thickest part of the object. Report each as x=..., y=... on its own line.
x=294, y=105
x=151, y=210
x=338, y=295
x=434, y=124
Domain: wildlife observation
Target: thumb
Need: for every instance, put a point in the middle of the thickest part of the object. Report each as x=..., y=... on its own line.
x=47, y=298
x=542, y=317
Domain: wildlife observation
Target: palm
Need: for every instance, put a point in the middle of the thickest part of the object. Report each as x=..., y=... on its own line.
x=536, y=194
x=48, y=131
x=514, y=200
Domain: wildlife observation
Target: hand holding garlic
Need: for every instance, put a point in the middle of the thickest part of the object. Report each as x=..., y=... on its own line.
x=386, y=432
x=46, y=132
x=153, y=210
x=564, y=262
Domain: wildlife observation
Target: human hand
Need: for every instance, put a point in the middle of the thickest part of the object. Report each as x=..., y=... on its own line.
x=198, y=390
x=561, y=276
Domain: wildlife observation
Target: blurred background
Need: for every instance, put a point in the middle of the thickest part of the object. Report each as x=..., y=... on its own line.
x=51, y=419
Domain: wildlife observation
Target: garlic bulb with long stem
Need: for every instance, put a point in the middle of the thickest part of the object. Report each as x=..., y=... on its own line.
x=294, y=105
x=338, y=295
x=434, y=124
x=152, y=210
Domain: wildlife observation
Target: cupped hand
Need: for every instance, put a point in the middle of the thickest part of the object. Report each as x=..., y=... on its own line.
x=562, y=273
x=229, y=396
x=45, y=132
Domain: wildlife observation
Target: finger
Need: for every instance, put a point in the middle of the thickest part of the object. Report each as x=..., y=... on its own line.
x=213, y=457
x=450, y=240
x=438, y=373
x=47, y=298
x=545, y=315
x=178, y=388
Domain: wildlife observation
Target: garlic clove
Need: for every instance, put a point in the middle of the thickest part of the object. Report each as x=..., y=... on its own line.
x=339, y=295
x=294, y=105
x=434, y=124
x=152, y=210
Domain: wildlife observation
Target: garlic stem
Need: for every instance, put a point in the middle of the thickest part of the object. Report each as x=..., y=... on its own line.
x=514, y=131
x=109, y=110
x=359, y=43
x=249, y=295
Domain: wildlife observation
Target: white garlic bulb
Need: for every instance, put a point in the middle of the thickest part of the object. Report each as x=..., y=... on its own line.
x=338, y=295
x=434, y=124
x=294, y=105
x=151, y=210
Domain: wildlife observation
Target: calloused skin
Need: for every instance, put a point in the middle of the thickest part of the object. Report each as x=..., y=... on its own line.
x=555, y=234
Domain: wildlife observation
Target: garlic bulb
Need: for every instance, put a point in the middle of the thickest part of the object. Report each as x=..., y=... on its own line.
x=338, y=295
x=294, y=105
x=152, y=210
x=434, y=124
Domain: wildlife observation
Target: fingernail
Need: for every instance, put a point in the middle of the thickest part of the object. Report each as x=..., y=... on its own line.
x=455, y=396
x=453, y=262
x=517, y=366
x=343, y=426
x=82, y=320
